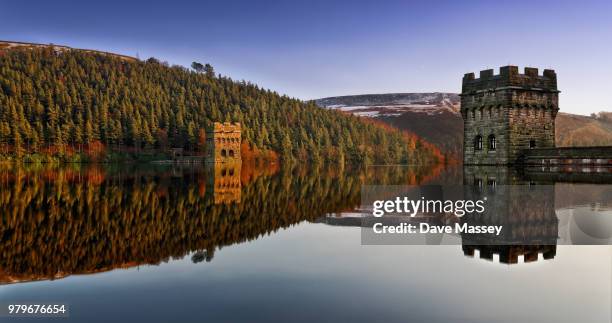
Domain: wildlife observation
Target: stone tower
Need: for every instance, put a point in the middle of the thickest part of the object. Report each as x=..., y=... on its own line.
x=506, y=114
x=223, y=143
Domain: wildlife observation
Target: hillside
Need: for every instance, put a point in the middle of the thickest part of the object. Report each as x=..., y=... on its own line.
x=67, y=103
x=10, y=45
x=393, y=104
x=435, y=117
x=576, y=130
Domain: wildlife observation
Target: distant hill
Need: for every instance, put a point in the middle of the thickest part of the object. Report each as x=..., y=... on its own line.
x=8, y=45
x=67, y=103
x=435, y=117
x=577, y=130
x=393, y=104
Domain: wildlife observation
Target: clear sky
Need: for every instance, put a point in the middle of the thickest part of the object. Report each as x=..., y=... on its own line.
x=313, y=49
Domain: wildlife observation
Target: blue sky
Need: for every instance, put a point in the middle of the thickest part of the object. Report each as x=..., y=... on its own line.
x=312, y=49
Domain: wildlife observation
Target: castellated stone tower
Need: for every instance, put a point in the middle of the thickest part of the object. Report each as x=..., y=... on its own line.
x=223, y=143
x=506, y=114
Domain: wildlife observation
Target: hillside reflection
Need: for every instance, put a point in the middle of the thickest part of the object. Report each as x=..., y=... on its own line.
x=77, y=220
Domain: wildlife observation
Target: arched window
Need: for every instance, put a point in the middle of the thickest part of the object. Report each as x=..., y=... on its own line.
x=223, y=153
x=478, y=143
x=532, y=143
x=231, y=153
x=478, y=184
x=492, y=183
x=492, y=142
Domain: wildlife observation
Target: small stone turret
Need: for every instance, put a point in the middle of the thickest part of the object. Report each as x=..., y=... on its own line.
x=507, y=113
x=223, y=143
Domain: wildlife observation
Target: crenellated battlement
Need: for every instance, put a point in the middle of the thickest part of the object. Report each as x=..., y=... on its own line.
x=509, y=254
x=225, y=127
x=505, y=113
x=508, y=77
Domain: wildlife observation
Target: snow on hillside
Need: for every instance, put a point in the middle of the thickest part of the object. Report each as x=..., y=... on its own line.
x=394, y=104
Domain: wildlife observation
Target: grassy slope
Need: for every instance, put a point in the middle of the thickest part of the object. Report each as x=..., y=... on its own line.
x=446, y=129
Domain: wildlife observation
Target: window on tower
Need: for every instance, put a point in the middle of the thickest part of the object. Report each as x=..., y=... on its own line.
x=532, y=144
x=478, y=143
x=492, y=142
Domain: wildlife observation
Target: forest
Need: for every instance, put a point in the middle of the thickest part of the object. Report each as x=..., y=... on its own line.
x=74, y=105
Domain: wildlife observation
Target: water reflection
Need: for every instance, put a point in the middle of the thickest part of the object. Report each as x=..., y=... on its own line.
x=71, y=220
x=60, y=221
x=535, y=209
x=524, y=209
x=538, y=208
x=224, y=182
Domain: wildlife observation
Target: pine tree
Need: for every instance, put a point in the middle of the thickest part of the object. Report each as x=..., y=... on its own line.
x=71, y=98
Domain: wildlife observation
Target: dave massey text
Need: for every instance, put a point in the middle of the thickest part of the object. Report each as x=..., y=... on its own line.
x=428, y=228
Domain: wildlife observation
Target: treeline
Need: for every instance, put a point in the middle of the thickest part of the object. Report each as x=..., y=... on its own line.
x=69, y=101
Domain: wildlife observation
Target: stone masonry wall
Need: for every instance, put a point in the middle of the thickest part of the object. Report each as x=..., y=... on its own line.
x=519, y=110
x=223, y=143
x=485, y=115
x=531, y=119
x=569, y=156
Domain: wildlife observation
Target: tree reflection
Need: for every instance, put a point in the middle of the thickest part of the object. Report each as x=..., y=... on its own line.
x=73, y=220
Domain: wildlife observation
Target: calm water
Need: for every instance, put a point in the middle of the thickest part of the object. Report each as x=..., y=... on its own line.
x=187, y=244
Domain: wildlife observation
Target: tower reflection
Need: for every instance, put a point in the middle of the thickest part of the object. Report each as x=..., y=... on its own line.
x=524, y=208
x=224, y=182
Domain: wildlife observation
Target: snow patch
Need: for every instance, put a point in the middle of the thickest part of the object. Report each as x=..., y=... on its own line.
x=369, y=114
